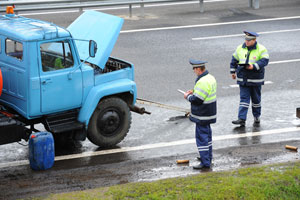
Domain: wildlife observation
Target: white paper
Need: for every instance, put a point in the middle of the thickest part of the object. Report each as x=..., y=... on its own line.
x=180, y=91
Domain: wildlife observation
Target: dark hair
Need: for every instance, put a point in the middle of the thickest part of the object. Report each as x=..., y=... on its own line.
x=201, y=67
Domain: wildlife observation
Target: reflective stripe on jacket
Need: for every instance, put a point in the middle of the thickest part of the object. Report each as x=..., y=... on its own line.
x=259, y=57
x=204, y=100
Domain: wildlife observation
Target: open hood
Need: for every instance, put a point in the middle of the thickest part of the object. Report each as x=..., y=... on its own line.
x=100, y=27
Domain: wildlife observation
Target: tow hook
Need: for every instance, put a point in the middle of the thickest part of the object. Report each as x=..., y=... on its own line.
x=138, y=109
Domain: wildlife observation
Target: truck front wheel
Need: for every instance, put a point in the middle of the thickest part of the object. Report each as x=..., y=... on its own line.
x=109, y=123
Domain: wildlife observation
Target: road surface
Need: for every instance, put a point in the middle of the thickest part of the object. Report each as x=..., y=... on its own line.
x=160, y=45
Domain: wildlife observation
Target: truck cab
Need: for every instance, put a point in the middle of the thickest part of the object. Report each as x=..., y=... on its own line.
x=66, y=79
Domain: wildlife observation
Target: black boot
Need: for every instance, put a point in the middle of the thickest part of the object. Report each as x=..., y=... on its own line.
x=256, y=120
x=199, y=159
x=240, y=122
x=200, y=166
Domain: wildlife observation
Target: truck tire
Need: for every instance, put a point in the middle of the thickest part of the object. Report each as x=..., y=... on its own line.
x=109, y=123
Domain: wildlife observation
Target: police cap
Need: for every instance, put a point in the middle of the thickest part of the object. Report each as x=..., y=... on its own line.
x=250, y=35
x=197, y=63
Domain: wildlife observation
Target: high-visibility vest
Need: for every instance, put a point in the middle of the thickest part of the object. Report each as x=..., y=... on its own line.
x=206, y=90
x=250, y=77
x=256, y=54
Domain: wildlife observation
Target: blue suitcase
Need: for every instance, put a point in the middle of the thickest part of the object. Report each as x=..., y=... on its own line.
x=41, y=151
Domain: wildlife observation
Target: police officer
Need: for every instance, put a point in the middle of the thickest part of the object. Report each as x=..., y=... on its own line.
x=248, y=67
x=203, y=111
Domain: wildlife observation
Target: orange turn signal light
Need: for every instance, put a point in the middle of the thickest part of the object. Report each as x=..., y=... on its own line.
x=9, y=10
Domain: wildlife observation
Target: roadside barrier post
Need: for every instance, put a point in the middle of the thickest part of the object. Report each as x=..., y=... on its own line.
x=142, y=9
x=130, y=10
x=201, y=6
x=254, y=4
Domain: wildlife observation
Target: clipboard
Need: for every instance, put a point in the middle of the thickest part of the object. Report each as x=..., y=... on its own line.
x=243, y=65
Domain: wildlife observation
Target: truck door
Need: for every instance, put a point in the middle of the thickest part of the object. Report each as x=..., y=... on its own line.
x=59, y=90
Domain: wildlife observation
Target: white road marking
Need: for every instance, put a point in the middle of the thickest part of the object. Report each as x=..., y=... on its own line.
x=271, y=63
x=48, y=13
x=123, y=7
x=157, y=145
x=236, y=85
x=284, y=61
x=212, y=24
x=238, y=35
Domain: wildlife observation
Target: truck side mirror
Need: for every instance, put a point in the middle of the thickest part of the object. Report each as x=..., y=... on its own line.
x=92, y=48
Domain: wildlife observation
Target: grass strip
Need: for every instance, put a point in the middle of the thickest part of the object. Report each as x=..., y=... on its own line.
x=280, y=181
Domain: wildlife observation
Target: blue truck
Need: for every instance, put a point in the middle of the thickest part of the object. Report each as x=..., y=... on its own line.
x=65, y=79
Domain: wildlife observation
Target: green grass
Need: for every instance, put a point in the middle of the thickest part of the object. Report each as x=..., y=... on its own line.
x=281, y=181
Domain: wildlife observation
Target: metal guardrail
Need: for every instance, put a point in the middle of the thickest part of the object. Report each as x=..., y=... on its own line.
x=22, y=6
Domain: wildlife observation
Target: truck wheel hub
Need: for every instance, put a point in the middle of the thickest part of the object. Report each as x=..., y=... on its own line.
x=109, y=122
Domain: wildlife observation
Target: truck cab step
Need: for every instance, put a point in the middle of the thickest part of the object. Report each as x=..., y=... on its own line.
x=63, y=122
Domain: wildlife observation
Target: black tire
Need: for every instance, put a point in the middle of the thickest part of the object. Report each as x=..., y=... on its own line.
x=109, y=123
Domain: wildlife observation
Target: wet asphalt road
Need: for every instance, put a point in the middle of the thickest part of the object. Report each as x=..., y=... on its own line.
x=161, y=64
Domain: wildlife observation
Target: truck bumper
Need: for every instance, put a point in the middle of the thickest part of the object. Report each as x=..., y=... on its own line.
x=298, y=112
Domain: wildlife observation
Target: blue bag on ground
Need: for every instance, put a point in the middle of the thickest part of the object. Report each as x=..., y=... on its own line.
x=41, y=150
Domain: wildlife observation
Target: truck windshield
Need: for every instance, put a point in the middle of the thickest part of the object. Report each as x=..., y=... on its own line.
x=56, y=55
